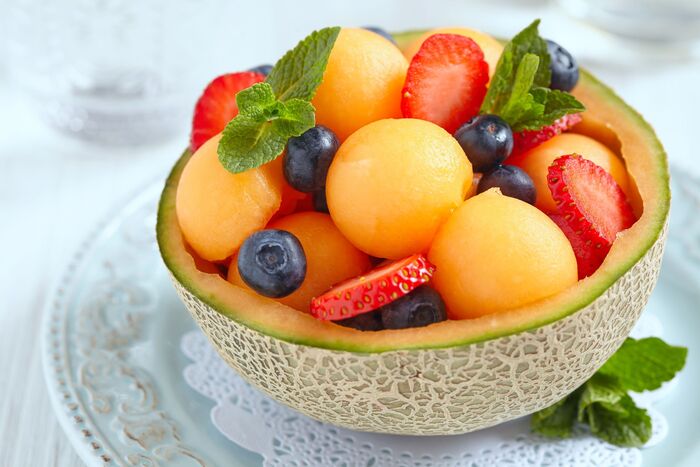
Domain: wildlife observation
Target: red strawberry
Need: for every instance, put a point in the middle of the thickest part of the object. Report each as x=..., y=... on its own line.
x=528, y=139
x=217, y=105
x=373, y=290
x=446, y=81
x=591, y=209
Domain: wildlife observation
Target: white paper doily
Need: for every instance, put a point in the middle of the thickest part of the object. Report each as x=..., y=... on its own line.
x=284, y=437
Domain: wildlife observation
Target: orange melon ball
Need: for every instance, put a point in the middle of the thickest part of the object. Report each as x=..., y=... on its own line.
x=362, y=82
x=490, y=46
x=497, y=253
x=537, y=160
x=216, y=209
x=330, y=257
x=393, y=182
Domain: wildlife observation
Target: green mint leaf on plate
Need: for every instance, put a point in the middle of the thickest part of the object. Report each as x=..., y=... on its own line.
x=603, y=402
x=519, y=88
x=600, y=389
x=557, y=420
x=299, y=72
x=645, y=364
x=259, y=133
x=622, y=424
x=271, y=112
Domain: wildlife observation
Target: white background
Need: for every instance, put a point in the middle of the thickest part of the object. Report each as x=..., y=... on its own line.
x=54, y=189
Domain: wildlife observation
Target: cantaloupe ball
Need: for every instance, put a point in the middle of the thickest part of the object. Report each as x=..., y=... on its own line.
x=330, y=257
x=490, y=46
x=216, y=209
x=497, y=253
x=362, y=82
x=537, y=160
x=393, y=182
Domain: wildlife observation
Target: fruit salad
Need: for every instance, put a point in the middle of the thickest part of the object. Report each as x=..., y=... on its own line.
x=381, y=187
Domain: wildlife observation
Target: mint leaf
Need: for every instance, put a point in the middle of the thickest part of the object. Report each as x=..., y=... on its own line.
x=622, y=424
x=519, y=89
x=255, y=99
x=299, y=72
x=557, y=420
x=271, y=112
x=259, y=133
x=603, y=402
x=600, y=389
x=645, y=364
x=521, y=103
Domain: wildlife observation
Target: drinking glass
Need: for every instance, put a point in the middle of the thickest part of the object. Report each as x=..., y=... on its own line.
x=112, y=71
x=656, y=22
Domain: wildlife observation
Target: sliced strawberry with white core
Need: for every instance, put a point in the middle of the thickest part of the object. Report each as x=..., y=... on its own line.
x=591, y=205
x=373, y=290
x=217, y=105
x=446, y=81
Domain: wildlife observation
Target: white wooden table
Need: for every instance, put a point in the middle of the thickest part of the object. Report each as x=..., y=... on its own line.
x=54, y=189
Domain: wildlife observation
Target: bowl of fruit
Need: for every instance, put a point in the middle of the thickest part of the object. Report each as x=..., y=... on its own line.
x=421, y=233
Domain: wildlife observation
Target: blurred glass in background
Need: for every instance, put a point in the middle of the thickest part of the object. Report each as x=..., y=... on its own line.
x=112, y=71
x=129, y=71
x=658, y=22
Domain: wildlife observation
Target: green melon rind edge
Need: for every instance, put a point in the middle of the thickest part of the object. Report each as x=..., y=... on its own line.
x=166, y=207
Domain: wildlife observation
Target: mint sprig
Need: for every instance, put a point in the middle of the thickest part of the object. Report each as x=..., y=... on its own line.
x=603, y=402
x=519, y=90
x=271, y=112
x=300, y=71
x=645, y=364
x=262, y=127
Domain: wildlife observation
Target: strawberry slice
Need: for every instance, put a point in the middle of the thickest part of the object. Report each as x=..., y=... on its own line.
x=528, y=139
x=373, y=290
x=591, y=209
x=217, y=105
x=446, y=81
x=587, y=259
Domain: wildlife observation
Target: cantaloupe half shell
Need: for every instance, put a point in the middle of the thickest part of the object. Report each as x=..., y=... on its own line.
x=456, y=376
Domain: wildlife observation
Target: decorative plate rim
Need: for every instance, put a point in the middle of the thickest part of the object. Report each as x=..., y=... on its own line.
x=89, y=442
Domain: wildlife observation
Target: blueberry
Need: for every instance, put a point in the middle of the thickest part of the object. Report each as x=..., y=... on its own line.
x=487, y=140
x=371, y=321
x=564, y=67
x=381, y=32
x=262, y=69
x=272, y=262
x=421, y=307
x=320, y=202
x=308, y=158
x=512, y=180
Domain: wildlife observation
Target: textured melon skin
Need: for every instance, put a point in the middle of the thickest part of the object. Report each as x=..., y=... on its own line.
x=436, y=391
x=467, y=386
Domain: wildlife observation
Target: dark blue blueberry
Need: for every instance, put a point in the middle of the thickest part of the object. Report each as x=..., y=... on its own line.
x=421, y=307
x=320, y=202
x=487, y=140
x=513, y=182
x=272, y=262
x=371, y=321
x=262, y=69
x=381, y=32
x=564, y=67
x=308, y=158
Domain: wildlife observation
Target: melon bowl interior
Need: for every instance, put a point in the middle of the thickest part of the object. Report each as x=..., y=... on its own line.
x=455, y=376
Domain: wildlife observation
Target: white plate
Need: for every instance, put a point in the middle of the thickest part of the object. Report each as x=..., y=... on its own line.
x=113, y=364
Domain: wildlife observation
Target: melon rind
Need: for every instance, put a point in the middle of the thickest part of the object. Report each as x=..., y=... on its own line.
x=436, y=391
x=458, y=388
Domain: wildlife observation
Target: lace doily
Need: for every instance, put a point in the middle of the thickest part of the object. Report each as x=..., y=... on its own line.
x=284, y=437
